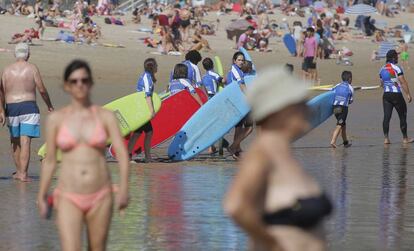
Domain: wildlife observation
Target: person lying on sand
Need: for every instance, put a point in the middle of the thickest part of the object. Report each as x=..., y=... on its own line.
x=199, y=42
x=25, y=37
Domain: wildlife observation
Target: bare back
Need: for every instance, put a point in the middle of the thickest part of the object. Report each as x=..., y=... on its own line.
x=19, y=82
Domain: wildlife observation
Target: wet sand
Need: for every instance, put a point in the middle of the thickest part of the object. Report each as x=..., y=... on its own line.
x=178, y=206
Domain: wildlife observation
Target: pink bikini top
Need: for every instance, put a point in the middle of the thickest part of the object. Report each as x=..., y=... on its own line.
x=66, y=141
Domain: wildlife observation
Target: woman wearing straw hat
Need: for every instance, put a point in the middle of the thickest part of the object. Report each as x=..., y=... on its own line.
x=272, y=198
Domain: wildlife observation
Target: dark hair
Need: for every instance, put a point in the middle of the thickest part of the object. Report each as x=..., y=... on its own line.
x=237, y=54
x=297, y=23
x=208, y=64
x=251, y=28
x=392, y=56
x=193, y=56
x=149, y=65
x=289, y=68
x=247, y=67
x=310, y=29
x=319, y=23
x=75, y=65
x=180, y=71
x=346, y=76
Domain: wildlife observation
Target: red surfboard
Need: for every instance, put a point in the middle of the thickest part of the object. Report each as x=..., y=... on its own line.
x=175, y=111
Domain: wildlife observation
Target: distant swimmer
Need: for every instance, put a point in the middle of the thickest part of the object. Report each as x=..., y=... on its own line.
x=83, y=194
x=180, y=82
x=393, y=81
x=272, y=198
x=19, y=83
x=146, y=84
x=344, y=96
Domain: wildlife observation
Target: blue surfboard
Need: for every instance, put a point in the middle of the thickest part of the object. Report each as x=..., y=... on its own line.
x=211, y=122
x=321, y=108
x=290, y=43
x=247, y=56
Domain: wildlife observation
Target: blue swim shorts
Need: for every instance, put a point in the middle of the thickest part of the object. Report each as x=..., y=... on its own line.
x=23, y=119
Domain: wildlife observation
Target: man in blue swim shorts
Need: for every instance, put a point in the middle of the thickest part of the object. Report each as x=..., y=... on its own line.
x=19, y=109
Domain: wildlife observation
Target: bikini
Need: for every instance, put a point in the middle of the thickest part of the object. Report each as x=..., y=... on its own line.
x=305, y=213
x=67, y=142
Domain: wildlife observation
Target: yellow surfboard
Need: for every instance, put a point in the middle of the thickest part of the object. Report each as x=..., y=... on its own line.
x=218, y=67
x=321, y=87
x=131, y=111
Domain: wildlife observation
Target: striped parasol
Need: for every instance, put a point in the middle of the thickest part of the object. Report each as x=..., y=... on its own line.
x=360, y=9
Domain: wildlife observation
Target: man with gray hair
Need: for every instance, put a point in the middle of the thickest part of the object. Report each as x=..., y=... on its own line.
x=19, y=82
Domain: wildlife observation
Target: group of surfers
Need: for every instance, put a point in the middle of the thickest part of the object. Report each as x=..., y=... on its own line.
x=271, y=198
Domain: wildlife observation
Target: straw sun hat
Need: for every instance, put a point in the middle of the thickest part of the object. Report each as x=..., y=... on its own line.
x=274, y=90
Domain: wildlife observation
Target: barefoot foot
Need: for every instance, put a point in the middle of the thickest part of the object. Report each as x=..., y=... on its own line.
x=408, y=141
x=387, y=141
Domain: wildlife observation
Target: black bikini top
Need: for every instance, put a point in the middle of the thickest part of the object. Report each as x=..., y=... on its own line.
x=305, y=213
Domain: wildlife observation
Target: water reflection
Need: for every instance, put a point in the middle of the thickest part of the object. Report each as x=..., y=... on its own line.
x=393, y=198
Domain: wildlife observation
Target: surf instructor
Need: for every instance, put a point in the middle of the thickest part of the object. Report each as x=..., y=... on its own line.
x=146, y=84
x=19, y=83
x=393, y=81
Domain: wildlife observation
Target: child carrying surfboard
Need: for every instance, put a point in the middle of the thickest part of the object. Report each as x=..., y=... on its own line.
x=344, y=93
x=210, y=82
x=146, y=84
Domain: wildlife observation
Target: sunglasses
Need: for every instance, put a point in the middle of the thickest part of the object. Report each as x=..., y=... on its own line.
x=84, y=81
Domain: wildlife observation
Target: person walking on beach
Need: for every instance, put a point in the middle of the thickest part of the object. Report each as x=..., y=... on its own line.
x=83, y=195
x=245, y=126
x=192, y=58
x=344, y=93
x=393, y=81
x=19, y=83
x=310, y=48
x=146, y=84
x=211, y=81
x=272, y=198
x=180, y=82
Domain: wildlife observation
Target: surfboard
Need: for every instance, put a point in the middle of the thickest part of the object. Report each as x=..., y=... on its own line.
x=320, y=108
x=211, y=122
x=131, y=112
x=247, y=56
x=218, y=68
x=321, y=87
x=175, y=111
x=290, y=44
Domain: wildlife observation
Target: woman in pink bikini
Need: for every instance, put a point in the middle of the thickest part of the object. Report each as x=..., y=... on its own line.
x=83, y=194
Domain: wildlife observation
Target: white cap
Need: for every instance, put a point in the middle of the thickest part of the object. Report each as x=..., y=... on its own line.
x=274, y=90
x=21, y=50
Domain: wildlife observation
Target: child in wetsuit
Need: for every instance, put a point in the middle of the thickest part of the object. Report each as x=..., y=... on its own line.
x=343, y=98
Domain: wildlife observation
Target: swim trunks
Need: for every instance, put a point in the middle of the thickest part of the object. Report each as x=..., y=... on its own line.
x=404, y=56
x=308, y=64
x=23, y=119
x=341, y=113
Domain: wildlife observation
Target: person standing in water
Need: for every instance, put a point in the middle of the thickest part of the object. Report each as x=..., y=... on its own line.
x=272, y=198
x=393, y=81
x=245, y=126
x=83, y=194
x=19, y=83
x=344, y=93
x=146, y=84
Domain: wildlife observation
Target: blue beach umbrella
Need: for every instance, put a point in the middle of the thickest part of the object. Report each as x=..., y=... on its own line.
x=360, y=9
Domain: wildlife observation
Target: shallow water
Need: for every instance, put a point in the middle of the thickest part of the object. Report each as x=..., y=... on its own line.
x=178, y=206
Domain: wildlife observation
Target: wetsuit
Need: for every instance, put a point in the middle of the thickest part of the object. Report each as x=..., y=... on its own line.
x=393, y=97
x=343, y=97
x=145, y=84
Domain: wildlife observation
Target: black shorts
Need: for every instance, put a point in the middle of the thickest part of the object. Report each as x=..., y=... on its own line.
x=185, y=23
x=246, y=121
x=145, y=128
x=341, y=113
x=308, y=64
